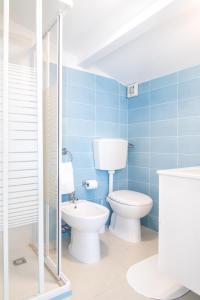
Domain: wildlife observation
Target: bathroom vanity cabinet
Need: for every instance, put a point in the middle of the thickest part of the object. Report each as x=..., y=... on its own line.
x=179, y=225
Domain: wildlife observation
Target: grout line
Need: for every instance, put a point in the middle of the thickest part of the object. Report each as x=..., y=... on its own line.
x=90, y=88
x=187, y=99
x=163, y=120
x=109, y=107
x=88, y=120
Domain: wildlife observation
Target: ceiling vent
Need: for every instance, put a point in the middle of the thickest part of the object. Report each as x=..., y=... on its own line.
x=132, y=90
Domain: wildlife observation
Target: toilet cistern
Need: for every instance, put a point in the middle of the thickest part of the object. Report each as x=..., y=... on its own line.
x=128, y=207
x=110, y=154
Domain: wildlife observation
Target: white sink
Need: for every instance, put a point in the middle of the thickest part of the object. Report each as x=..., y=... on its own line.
x=191, y=172
x=85, y=219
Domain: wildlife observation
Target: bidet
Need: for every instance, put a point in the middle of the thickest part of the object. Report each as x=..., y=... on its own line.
x=85, y=219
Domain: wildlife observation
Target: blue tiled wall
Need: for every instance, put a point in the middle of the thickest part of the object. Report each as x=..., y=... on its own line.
x=93, y=106
x=164, y=124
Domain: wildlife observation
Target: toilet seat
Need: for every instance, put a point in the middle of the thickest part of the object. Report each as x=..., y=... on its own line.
x=128, y=208
x=130, y=198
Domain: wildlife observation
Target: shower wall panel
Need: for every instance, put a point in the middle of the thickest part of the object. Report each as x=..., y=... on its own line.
x=22, y=147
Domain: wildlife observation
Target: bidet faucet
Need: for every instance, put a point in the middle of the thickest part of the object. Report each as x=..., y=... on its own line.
x=72, y=197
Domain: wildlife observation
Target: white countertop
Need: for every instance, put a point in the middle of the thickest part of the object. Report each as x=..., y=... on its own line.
x=191, y=172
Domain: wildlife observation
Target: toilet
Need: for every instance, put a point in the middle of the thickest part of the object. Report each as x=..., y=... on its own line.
x=128, y=208
x=110, y=154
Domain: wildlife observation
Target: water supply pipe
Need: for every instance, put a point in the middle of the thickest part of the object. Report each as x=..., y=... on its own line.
x=110, y=180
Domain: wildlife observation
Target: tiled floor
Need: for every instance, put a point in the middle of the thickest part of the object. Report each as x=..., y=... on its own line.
x=106, y=280
x=23, y=282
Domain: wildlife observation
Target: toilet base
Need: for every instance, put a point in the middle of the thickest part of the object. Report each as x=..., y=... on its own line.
x=126, y=229
x=85, y=246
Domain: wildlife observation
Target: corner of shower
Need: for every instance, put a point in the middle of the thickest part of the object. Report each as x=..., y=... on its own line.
x=30, y=155
x=52, y=126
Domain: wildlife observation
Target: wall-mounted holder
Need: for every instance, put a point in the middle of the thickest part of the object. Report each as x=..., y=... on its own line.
x=90, y=184
x=130, y=145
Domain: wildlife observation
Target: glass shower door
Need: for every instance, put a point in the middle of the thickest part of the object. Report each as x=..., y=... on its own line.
x=52, y=145
x=1, y=183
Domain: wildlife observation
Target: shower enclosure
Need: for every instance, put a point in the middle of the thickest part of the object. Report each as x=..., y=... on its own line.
x=30, y=153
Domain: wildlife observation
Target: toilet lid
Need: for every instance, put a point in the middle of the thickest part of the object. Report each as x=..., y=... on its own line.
x=130, y=198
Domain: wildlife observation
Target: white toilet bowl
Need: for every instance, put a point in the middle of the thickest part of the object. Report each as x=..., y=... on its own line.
x=85, y=219
x=128, y=208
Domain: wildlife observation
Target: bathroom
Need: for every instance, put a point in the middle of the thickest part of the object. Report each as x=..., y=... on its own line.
x=100, y=160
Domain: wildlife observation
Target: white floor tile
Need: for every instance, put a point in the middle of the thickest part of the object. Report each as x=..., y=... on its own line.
x=106, y=280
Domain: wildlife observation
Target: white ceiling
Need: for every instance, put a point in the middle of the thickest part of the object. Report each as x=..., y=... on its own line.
x=129, y=40
x=92, y=21
x=167, y=41
x=171, y=46
x=22, y=12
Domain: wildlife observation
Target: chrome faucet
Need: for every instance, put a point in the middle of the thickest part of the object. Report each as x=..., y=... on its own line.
x=73, y=198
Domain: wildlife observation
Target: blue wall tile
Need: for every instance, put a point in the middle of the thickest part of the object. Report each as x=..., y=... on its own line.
x=141, y=144
x=79, y=94
x=123, y=103
x=189, y=144
x=83, y=160
x=163, y=128
x=189, y=89
x=79, y=78
x=138, y=101
x=107, y=114
x=73, y=127
x=123, y=116
x=139, y=159
x=107, y=85
x=122, y=90
x=107, y=100
x=93, y=106
x=166, y=94
x=188, y=74
x=164, y=81
x=138, y=130
x=154, y=176
x=78, y=110
x=77, y=143
x=140, y=174
x=163, y=111
x=163, y=161
x=82, y=174
x=139, y=115
x=141, y=187
x=189, y=126
x=123, y=131
x=171, y=137
x=189, y=108
x=163, y=122
x=144, y=87
x=107, y=129
x=188, y=160
x=164, y=144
